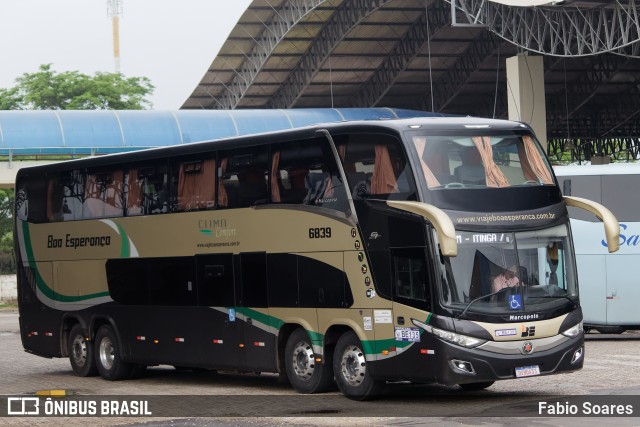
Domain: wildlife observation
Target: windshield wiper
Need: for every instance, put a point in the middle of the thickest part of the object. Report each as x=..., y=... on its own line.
x=483, y=297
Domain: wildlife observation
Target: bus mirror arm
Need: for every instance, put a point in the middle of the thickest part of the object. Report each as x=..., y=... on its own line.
x=440, y=220
x=611, y=225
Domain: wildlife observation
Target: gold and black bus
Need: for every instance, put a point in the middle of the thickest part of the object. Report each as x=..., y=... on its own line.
x=357, y=253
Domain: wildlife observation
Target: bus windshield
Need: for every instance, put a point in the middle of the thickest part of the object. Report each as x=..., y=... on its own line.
x=503, y=273
x=480, y=161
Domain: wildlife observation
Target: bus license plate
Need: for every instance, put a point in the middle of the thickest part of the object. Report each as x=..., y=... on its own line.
x=408, y=334
x=527, y=371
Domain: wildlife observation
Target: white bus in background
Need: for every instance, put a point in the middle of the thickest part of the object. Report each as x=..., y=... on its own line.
x=609, y=283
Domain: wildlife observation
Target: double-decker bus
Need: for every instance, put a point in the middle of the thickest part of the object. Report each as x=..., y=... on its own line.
x=427, y=249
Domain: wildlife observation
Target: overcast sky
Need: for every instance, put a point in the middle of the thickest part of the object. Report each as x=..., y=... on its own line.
x=170, y=42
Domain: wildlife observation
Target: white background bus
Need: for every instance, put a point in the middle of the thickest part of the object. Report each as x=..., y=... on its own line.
x=609, y=283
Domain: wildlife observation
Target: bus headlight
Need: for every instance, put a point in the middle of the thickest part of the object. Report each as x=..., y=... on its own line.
x=451, y=337
x=574, y=331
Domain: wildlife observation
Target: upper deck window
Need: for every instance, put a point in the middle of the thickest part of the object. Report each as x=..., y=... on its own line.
x=376, y=167
x=481, y=161
x=242, y=178
x=305, y=172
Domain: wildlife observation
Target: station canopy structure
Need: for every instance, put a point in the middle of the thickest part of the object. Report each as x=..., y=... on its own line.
x=445, y=56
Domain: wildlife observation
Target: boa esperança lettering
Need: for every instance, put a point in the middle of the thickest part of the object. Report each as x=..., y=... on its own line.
x=78, y=242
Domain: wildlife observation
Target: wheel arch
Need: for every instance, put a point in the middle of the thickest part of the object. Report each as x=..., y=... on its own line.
x=69, y=320
x=99, y=320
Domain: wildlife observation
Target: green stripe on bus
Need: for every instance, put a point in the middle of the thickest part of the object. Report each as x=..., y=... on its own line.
x=266, y=319
x=125, y=248
x=41, y=284
x=273, y=322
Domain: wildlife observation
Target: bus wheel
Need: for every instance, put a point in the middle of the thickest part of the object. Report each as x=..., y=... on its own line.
x=81, y=353
x=350, y=369
x=476, y=386
x=304, y=373
x=110, y=366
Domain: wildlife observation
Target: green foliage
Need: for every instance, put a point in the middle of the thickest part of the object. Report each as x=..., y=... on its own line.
x=47, y=89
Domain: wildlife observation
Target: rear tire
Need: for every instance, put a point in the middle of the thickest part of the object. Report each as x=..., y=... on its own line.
x=80, y=352
x=110, y=365
x=476, y=386
x=304, y=373
x=350, y=369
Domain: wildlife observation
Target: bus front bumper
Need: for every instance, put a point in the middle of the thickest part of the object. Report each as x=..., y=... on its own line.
x=494, y=361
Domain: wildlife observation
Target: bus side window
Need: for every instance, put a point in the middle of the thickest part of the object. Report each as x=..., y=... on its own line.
x=54, y=199
x=376, y=167
x=147, y=190
x=410, y=277
x=103, y=194
x=305, y=172
x=35, y=196
x=242, y=177
x=73, y=183
x=193, y=185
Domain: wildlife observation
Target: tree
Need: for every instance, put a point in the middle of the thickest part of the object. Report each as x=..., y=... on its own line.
x=47, y=89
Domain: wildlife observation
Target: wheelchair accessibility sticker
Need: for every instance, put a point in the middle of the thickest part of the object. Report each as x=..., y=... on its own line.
x=515, y=302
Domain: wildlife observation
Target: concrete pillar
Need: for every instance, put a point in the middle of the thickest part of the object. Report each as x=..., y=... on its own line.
x=525, y=91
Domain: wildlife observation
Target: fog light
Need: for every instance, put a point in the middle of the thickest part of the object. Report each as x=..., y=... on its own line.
x=463, y=366
x=577, y=355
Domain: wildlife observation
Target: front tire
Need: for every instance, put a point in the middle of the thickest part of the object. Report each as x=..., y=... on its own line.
x=350, y=369
x=80, y=352
x=110, y=365
x=304, y=373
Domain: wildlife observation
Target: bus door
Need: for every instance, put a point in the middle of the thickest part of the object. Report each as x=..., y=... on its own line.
x=396, y=246
x=410, y=291
x=221, y=330
x=258, y=350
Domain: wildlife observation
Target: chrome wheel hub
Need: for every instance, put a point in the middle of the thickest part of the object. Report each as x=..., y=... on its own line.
x=106, y=353
x=303, y=361
x=79, y=350
x=353, y=366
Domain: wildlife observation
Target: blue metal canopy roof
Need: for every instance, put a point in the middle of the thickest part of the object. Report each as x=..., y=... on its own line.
x=101, y=132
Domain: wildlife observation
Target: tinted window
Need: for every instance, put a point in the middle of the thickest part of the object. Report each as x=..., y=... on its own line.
x=243, y=177
x=171, y=281
x=147, y=190
x=215, y=280
x=321, y=284
x=127, y=279
x=410, y=278
x=154, y=281
x=283, y=280
x=103, y=194
x=376, y=167
x=193, y=184
x=254, y=279
x=73, y=183
x=305, y=172
x=457, y=161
